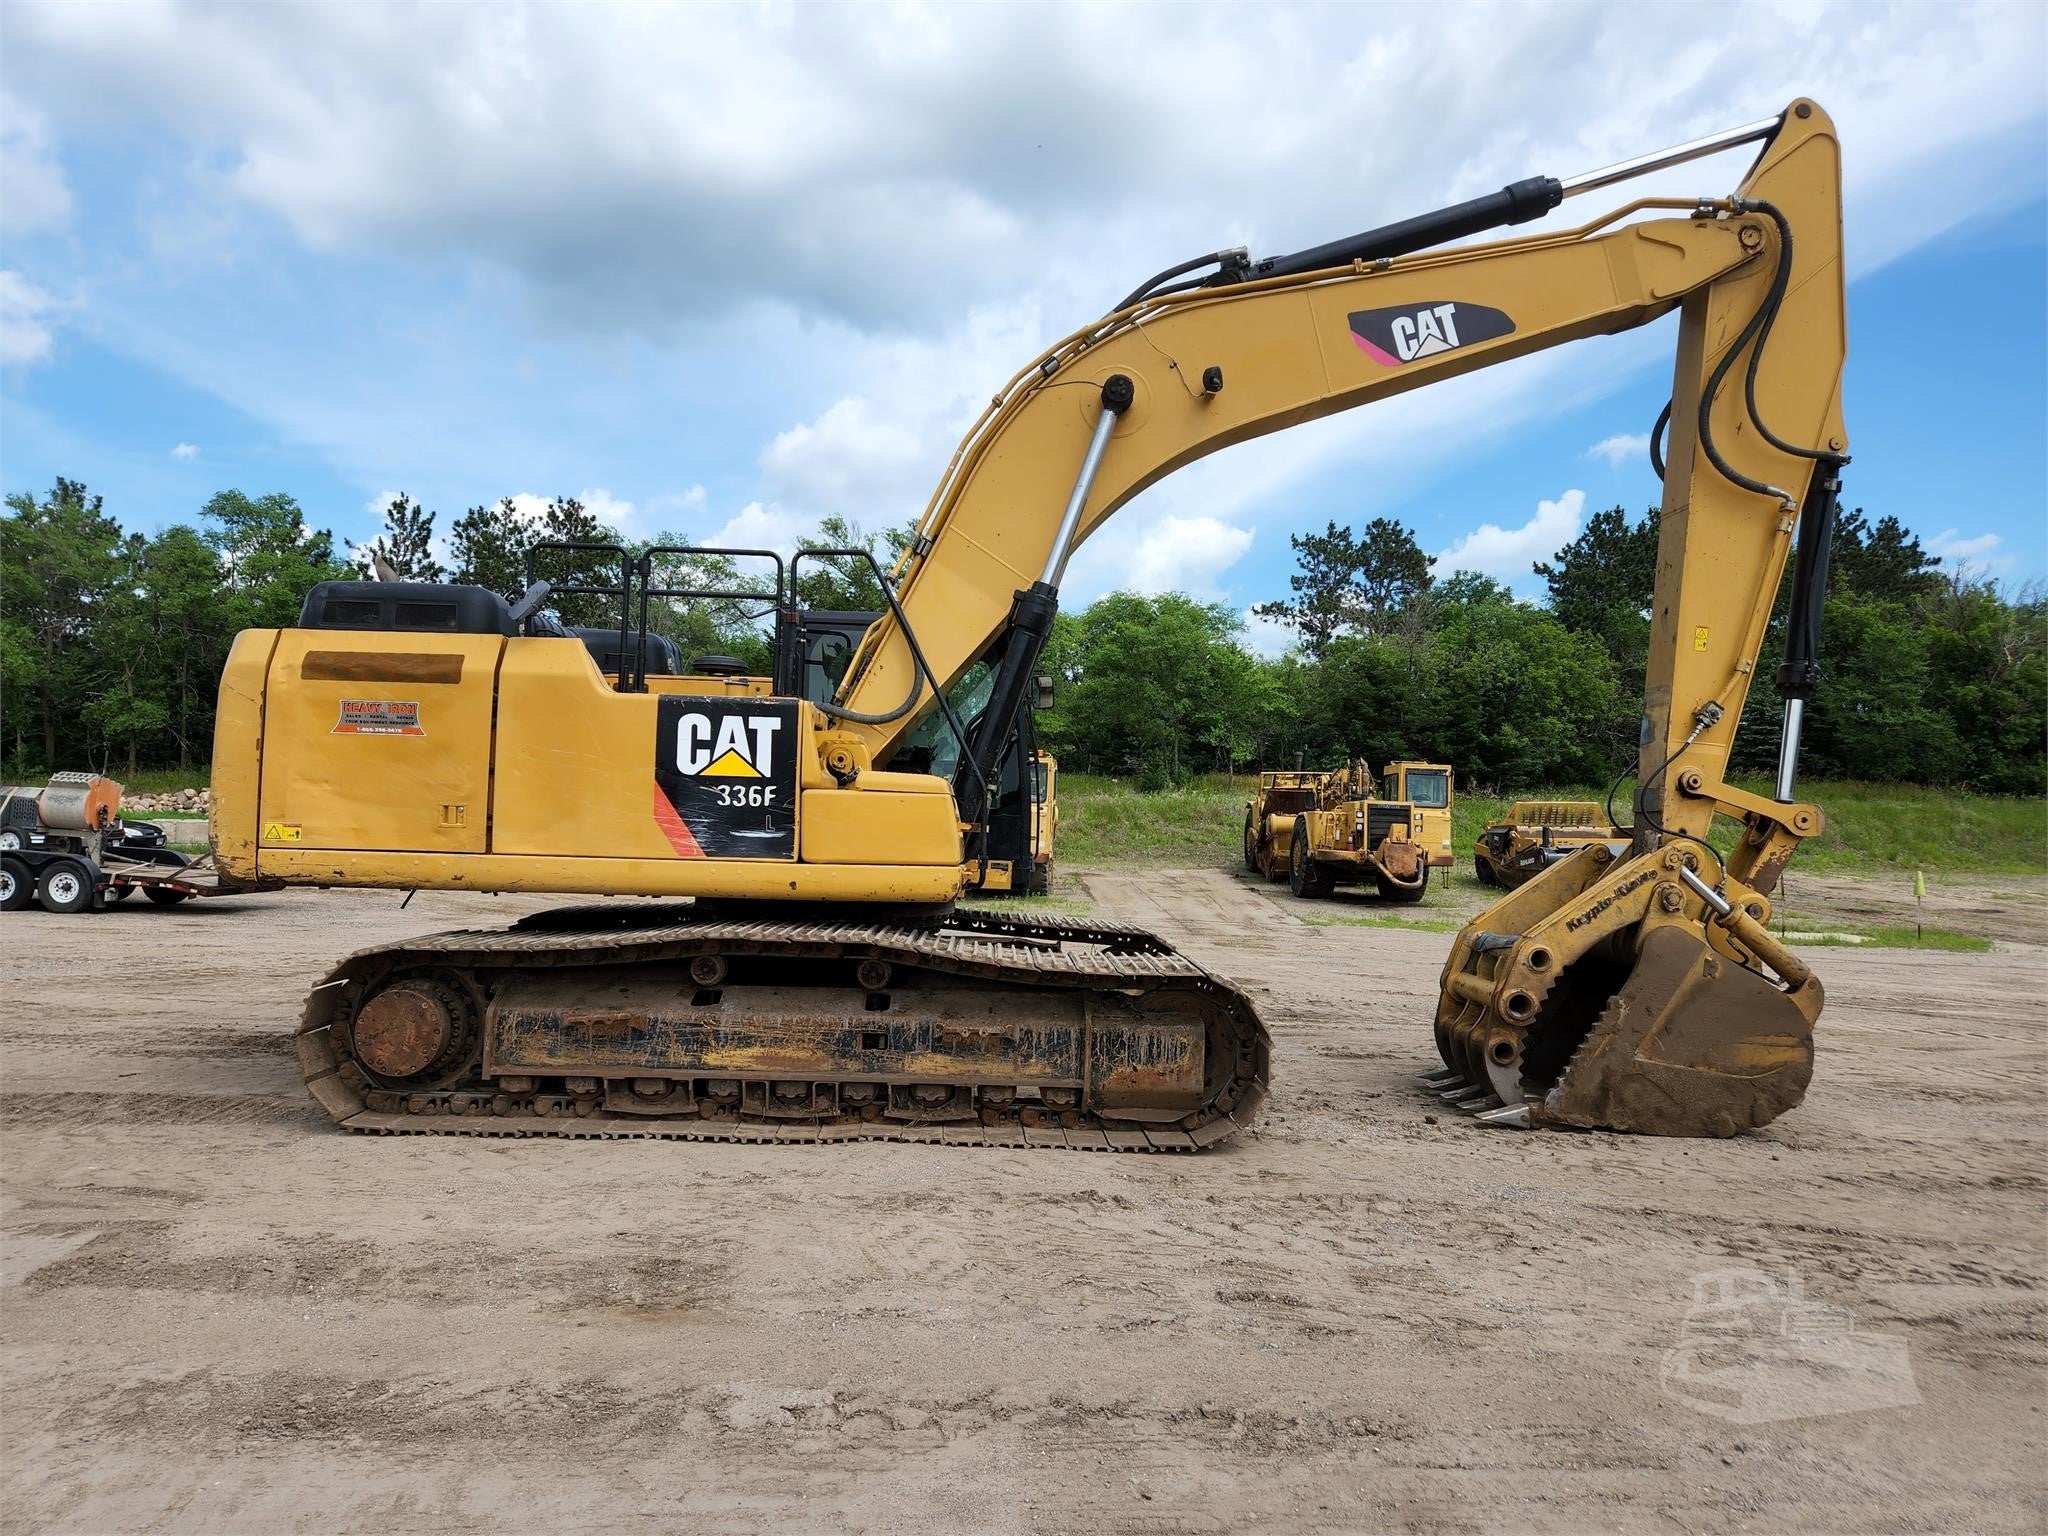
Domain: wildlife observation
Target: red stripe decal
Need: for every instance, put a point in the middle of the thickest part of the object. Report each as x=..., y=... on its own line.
x=674, y=828
x=1377, y=354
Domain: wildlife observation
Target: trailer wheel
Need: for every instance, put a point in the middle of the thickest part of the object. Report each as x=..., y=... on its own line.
x=163, y=895
x=17, y=886
x=64, y=888
x=10, y=838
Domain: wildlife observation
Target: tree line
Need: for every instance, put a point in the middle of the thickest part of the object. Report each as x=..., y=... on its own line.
x=112, y=641
x=1932, y=676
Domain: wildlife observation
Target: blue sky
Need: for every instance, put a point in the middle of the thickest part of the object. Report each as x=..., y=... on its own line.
x=725, y=271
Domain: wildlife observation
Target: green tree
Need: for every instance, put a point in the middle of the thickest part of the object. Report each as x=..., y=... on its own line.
x=1600, y=583
x=192, y=631
x=269, y=557
x=406, y=544
x=1880, y=560
x=488, y=546
x=846, y=583
x=1392, y=577
x=1154, y=686
x=1322, y=606
x=61, y=559
x=1515, y=698
x=1370, y=583
x=1987, y=668
x=565, y=520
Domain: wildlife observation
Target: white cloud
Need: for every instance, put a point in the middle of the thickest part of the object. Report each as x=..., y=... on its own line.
x=1959, y=553
x=25, y=323
x=686, y=502
x=1620, y=448
x=612, y=511
x=186, y=452
x=1266, y=636
x=843, y=456
x=1187, y=554
x=871, y=217
x=1506, y=554
x=891, y=170
x=763, y=526
x=33, y=194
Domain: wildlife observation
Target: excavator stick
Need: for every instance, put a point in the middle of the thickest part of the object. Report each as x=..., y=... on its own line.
x=1637, y=986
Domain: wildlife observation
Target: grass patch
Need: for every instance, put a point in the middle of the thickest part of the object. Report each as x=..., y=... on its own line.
x=1896, y=936
x=1871, y=828
x=144, y=781
x=1052, y=904
x=1107, y=823
x=162, y=781
x=1415, y=924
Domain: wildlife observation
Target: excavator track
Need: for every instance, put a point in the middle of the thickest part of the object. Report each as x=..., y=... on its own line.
x=636, y=1021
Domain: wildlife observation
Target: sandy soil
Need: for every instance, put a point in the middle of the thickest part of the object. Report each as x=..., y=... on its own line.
x=218, y=1313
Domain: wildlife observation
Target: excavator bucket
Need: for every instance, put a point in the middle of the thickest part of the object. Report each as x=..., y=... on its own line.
x=1626, y=1002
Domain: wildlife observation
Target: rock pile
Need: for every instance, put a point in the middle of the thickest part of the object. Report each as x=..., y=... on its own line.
x=194, y=801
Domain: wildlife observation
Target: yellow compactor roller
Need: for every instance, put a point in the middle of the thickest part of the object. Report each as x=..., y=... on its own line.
x=806, y=974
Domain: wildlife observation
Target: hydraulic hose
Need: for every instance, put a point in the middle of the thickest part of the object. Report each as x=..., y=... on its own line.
x=1780, y=281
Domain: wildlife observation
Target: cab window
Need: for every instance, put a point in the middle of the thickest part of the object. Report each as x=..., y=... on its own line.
x=1429, y=789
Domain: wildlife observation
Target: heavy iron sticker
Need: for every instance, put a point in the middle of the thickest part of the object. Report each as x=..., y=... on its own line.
x=725, y=778
x=1410, y=332
x=379, y=717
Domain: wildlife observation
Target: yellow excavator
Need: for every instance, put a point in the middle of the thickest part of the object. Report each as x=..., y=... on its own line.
x=819, y=982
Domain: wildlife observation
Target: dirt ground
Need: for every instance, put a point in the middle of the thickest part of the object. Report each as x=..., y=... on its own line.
x=219, y=1313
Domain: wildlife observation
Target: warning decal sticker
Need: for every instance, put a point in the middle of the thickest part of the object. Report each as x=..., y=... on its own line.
x=725, y=777
x=379, y=717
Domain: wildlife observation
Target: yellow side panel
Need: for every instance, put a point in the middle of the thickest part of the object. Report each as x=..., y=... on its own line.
x=860, y=826
x=575, y=771
x=378, y=741
x=238, y=752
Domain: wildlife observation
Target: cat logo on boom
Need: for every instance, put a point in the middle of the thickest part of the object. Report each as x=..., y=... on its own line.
x=1411, y=332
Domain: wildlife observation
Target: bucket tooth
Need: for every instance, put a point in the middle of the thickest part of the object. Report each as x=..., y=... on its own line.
x=1515, y=1116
